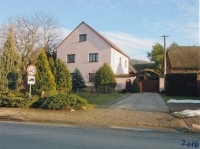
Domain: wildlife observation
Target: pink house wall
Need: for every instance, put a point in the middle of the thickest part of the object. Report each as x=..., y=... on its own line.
x=93, y=44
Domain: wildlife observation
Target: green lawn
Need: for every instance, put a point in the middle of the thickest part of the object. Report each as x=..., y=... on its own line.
x=166, y=98
x=95, y=100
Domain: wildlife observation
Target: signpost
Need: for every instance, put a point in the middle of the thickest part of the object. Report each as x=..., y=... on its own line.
x=31, y=70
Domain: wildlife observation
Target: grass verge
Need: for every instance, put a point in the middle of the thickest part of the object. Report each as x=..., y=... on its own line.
x=95, y=100
x=166, y=98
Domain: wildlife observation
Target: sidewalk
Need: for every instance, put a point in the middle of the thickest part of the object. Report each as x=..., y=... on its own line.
x=178, y=107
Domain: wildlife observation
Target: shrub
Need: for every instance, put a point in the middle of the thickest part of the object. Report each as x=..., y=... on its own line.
x=63, y=101
x=135, y=87
x=16, y=99
x=181, y=84
x=124, y=91
x=162, y=92
x=19, y=102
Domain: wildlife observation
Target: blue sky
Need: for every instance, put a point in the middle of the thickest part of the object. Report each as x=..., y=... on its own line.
x=133, y=25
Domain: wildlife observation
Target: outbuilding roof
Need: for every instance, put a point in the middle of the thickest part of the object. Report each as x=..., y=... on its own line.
x=184, y=57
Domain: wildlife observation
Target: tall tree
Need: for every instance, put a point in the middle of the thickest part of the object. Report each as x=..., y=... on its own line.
x=77, y=80
x=44, y=79
x=174, y=44
x=52, y=66
x=105, y=76
x=33, y=33
x=9, y=64
x=62, y=76
x=156, y=56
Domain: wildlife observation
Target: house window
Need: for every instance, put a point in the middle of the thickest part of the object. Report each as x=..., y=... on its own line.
x=83, y=37
x=93, y=57
x=91, y=77
x=71, y=58
x=125, y=63
x=120, y=60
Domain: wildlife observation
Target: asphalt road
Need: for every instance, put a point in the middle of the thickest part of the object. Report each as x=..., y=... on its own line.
x=43, y=136
x=142, y=102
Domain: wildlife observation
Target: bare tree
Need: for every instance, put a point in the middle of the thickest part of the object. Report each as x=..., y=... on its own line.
x=50, y=34
x=32, y=33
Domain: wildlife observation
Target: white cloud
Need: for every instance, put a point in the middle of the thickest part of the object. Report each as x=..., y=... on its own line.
x=64, y=33
x=133, y=46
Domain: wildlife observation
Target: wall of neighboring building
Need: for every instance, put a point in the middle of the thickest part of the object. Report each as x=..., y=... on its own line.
x=121, y=82
x=119, y=62
x=161, y=84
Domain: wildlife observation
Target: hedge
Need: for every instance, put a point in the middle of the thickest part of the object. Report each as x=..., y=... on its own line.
x=19, y=102
x=181, y=84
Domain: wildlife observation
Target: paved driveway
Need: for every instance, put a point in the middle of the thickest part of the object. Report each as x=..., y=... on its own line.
x=142, y=102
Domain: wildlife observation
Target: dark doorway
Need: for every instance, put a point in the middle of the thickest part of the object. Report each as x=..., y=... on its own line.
x=128, y=85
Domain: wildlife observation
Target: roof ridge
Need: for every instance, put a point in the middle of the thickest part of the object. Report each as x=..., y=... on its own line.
x=103, y=37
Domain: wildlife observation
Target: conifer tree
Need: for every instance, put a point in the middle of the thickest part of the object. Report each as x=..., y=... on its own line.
x=77, y=80
x=62, y=76
x=135, y=87
x=105, y=76
x=44, y=79
x=52, y=66
x=10, y=64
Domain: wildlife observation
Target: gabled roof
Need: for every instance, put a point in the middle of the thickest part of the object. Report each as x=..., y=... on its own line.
x=184, y=57
x=108, y=41
x=131, y=68
x=137, y=65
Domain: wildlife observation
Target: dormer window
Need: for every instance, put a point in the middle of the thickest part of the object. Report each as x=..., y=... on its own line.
x=82, y=37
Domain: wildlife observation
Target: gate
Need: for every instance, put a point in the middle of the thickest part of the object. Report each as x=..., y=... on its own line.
x=149, y=85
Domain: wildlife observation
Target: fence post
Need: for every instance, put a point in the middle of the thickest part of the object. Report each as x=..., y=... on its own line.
x=42, y=94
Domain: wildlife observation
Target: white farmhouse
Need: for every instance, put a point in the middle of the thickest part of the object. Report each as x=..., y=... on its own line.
x=86, y=49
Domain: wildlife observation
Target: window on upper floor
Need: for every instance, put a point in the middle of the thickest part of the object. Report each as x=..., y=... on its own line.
x=82, y=37
x=125, y=63
x=71, y=58
x=93, y=57
x=120, y=60
x=91, y=77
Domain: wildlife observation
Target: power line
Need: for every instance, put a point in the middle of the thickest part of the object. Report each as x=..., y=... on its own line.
x=173, y=16
x=184, y=14
x=176, y=10
x=172, y=11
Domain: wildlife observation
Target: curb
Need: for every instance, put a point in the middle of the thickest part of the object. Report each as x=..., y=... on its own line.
x=196, y=127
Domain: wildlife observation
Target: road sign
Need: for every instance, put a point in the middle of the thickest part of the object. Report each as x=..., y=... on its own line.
x=31, y=79
x=31, y=70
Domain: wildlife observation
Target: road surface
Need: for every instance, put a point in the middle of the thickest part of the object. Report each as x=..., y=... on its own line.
x=15, y=135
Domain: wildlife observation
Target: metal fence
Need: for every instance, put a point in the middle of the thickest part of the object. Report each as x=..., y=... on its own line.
x=89, y=89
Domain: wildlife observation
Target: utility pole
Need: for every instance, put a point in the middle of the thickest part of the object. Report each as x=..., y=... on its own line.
x=165, y=61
